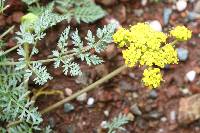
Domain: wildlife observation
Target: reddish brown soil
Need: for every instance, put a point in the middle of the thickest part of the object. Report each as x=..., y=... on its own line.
x=109, y=96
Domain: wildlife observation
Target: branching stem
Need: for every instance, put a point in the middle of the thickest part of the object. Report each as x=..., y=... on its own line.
x=87, y=89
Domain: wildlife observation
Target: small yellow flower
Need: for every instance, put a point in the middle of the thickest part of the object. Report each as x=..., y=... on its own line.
x=131, y=55
x=147, y=47
x=170, y=54
x=152, y=77
x=181, y=33
x=120, y=37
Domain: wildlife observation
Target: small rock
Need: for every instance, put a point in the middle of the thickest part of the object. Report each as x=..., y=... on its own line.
x=189, y=109
x=181, y=5
x=161, y=130
x=110, y=20
x=134, y=95
x=197, y=7
x=185, y=91
x=16, y=17
x=155, y=24
x=135, y=109
x=70, y=129
x=106, y=2
x=68, y=107
x=131, y=75
x=154, y=114
x=111, y=51
x=68, y=92
x=125, y=86
x=193, y=16
x=138, y=12
x=182, y=54
x=90, y=101
x=153, y=94
x=163, y=119
x=82, y=97
x=130, y=116
x=106, y=113
x=141, y=123
x=51, y=122
x=166, y=15
x=144, y=2
x=173, y=116
x=190, y=76
x=103, y=124
x=120, y=13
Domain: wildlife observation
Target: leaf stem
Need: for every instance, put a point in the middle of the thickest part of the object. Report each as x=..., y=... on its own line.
x=7, y=31
x=11, y=49
x=87, y=89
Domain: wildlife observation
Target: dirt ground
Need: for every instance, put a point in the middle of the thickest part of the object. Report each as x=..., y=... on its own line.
x=158, y=108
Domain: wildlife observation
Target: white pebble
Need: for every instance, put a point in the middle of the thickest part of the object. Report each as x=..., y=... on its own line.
x=106, y=113
x=172, y=116
x=155, y=24
x=181, y=5
x=144, y=2
x=115, y=21
x=82, y=97
x=68, y=91
x=103, y=124
x=190, y=76
x=90, y=101
x=163, y=119
x=185, y=91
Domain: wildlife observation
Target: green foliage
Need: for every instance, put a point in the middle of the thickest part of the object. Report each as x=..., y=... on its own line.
x=15, y=98
x=117, y=123
x=2, y=5
x=82, y=10
x=2, y=130
x=14, y=104
x=29, y=2
x=38, y=11
x=98, y=43
x=2, y=43
x=24, y=127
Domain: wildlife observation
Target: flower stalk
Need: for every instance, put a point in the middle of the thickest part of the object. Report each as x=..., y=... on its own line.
x=87, y=89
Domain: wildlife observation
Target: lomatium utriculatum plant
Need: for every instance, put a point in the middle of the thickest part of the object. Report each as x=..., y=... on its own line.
x=17, y=109
x=141, y=45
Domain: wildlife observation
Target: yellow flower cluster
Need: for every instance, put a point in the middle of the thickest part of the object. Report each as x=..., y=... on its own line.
x=145, y=46
x=181, y=33
x=152, y=77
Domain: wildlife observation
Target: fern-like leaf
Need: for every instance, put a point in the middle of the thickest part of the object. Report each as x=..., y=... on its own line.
x=42, y=76
x=117, y=123
x=15, y=104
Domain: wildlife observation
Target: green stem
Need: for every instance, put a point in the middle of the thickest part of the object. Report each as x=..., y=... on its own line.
x=31, y=62
x=4, y=8
x=7, y=31
x=26, y=49
x=13, y=123
x=11, y=49
x=37, y=4
x=87, y=89
x=174, y=42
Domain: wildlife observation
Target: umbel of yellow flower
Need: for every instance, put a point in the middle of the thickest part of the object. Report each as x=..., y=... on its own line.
x=144, y=46
x=181, y=33
x=152, y=77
